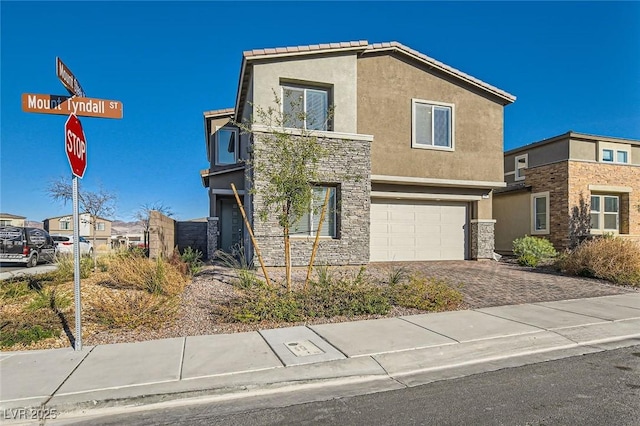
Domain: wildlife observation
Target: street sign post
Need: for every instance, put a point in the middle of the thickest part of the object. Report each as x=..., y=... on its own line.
x=76, y=146
x=65, y=105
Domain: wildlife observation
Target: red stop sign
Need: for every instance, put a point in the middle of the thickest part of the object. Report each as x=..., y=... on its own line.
x=76, y=145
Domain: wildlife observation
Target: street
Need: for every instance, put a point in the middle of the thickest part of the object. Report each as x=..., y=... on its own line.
x=595, y=389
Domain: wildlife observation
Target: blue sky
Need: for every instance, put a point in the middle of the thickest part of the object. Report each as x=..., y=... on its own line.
x=572, y=65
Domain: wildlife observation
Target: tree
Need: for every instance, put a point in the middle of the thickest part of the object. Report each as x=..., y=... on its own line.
x=143, y=215
x=96, y=204
x=579, y=222
x=284, y=164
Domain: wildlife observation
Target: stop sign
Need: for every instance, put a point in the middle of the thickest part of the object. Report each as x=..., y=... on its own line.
x=76, y=145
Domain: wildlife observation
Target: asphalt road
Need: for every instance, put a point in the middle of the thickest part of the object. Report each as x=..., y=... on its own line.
x=595, y=389
x=10, y=267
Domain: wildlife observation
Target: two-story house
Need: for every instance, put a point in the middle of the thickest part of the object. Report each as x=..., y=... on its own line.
x=7, y=219
x=425, y=140
x=568, y=186
x=63, y=225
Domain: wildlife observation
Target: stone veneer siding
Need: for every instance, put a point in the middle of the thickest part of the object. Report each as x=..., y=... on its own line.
x=349, y=167
x=566, y=181
x=482, y=239
x=213, y=224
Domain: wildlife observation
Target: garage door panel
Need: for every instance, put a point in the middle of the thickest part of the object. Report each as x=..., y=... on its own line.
x=405, y=231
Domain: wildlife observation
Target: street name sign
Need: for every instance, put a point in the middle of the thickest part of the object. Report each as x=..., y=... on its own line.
x=68, y=79
x=76, y=146
x=65, y=105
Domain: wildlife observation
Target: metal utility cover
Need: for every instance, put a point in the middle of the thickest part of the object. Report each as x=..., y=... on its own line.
x=303, y=348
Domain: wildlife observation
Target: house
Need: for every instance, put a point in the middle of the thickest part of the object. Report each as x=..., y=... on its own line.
x=7, y=219
x=63, y=225
x=569, y=186
x=425, y=140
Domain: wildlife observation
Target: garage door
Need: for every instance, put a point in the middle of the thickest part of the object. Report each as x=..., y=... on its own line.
x=404, y=231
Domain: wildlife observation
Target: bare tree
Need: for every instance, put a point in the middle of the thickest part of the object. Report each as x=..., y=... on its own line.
x=143, y=215
x=96, y=204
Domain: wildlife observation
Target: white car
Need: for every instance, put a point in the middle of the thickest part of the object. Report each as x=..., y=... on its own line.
x=65, y=245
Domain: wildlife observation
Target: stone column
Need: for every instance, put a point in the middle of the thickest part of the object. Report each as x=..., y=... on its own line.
x=482, y=238
x=212, y=236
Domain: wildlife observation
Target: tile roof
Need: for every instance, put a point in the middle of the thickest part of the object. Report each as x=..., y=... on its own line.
x=300, y=49
x=219, y=112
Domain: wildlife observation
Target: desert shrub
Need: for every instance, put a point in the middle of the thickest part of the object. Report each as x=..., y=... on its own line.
x=397, y=274
x=610, y=258
x=153, y=276
x=531, y=250
x=26, y=335
x=133, y=309
x=428, y=294
x=14, y=288
x=193, y=259
x=66, y=266
x=50, y=298
x=237, y=261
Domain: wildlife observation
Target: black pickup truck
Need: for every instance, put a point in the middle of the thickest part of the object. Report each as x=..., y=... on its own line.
x=26, y=245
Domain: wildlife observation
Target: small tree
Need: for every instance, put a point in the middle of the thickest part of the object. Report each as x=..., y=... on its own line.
x=143, y=215
x=579, y=222
x=96, y=204
x=286, y=163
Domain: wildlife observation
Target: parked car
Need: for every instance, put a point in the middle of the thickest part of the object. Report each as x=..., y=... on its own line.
x=65, y=245
x=19, y=244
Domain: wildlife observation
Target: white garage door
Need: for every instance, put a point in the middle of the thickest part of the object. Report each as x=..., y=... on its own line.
x=404, y=231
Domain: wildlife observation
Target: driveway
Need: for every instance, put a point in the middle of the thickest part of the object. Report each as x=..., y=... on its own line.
x=490, y=283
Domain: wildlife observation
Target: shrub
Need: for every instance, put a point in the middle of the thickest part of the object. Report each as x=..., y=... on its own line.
x=610, y=258
x=26, y=335
x=66, y=264
x=153, y=276
x=50, y=298
x=193, y=259
x=133, y=309
x=397, y=274
x=532, y=250
x=428, y=294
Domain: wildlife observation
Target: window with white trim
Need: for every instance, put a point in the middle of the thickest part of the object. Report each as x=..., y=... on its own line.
x=100, y=226
x=605, y=213
x=432, y=125
x=540, y=213
x=308, y=223
x=305, y=107
x=521, y=163
x=65, y=224
x=226, y=146
x=622, y=157
x=611, y=155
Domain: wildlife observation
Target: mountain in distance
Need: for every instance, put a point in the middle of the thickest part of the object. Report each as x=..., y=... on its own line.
x=119, y=227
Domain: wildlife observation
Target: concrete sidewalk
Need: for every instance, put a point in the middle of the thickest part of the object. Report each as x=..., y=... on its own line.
x=377, y=355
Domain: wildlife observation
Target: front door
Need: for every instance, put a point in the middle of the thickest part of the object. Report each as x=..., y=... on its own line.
x=230, y=225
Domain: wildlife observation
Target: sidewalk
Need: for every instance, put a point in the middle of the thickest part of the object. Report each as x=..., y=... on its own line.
x=382, y=354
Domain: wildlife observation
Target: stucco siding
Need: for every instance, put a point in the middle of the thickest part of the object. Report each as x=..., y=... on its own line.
x=386, y=87
x=338, y=72
x=512, y=212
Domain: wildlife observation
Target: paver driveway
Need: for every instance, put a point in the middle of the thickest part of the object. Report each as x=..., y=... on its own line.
x=490, y=283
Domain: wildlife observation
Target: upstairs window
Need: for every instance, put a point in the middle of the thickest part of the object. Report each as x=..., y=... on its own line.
x=65, y=224
x=305, y=108
x=610, y=155
x=432, y=125
x=607, y=155
x=226, y=146
x=100, y=226
x=308, y=224
x=522, y=162
x=622, y=157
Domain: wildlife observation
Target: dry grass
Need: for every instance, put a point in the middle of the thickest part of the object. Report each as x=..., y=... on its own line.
x=153, y=276
x=612, y=259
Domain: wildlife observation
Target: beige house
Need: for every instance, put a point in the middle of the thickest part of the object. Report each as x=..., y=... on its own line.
x=63, y=225
x=425, y=140
x=7, y=219
x=569, y=186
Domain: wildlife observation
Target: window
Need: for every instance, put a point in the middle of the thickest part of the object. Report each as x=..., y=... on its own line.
x=522, y=162
x=622, y=157
x=605, y=211
x=540, y=213
x=432, y=125
x=100, y=226
x=65, y=224
x=607, y=155
x=5, y=222
x=226, y=146
x=305, y=107
x=308, y=224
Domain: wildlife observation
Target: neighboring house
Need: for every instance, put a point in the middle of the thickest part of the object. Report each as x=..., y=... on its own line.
x=63, y=225
x=426, y=139
x=7, y=219
x=549, y=181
